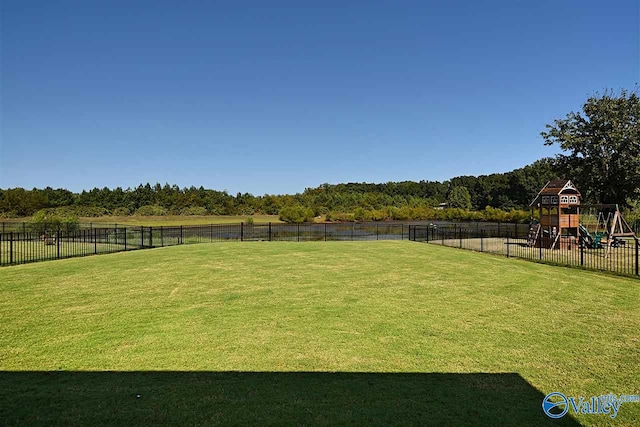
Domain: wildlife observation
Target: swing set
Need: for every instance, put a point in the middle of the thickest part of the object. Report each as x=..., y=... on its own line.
x=564, y=222
x=604, y=226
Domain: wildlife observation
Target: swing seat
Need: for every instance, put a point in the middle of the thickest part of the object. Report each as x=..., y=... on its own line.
x=597, y=241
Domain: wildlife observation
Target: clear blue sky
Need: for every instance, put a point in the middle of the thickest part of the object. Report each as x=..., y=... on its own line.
x=272, y=97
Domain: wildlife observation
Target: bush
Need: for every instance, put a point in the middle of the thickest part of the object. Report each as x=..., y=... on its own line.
x=7, y=215
x=121, y=212
x=381, y=214
x=195, y=211
x=340, y=217
x=296, y=214
x=151, y=210
x=401, y=214
x=50, y=221
x=361, y=214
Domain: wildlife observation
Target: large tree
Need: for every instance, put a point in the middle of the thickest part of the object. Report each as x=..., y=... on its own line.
x=603, y=146
x=460, y=198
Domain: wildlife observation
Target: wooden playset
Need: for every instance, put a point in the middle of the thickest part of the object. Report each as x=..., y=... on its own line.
x=559, y=226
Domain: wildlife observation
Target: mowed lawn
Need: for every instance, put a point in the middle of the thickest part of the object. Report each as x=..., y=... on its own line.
x=286, y=333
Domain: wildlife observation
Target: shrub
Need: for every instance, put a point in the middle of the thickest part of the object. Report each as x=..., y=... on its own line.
x=11, y=214
x=195, y=211
x=340, y=216
x=151, y=210
x=296, y=214
x=381, y=214
x=401, y=214
x=361, y=214
x=121, y=212
x=250, y=220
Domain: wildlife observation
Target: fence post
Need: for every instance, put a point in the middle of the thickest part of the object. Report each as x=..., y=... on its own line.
x=181, y=236
x=325, y=231
x=637, y=257
x=242, y=231
x=211, y=232
x=269, y=230
x=95, y=241
x=402, y=231
x=58, y=244
x=161, y=237
x=142, y=237
x=298, y=232
x=507, y=245
x=150, y=237
x=125, y=238
x=481, y=240
x=460, y=236
x=11, y=248
x=541, y=240
x=581, y=251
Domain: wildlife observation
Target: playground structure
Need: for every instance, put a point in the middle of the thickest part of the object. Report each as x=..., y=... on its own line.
x=560, y=225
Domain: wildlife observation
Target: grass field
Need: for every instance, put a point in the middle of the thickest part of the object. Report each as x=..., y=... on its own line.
x=359, y=333
x=166, y=220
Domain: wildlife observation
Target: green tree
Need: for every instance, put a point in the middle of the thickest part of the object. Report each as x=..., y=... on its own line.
x=50, y=221
x=22, y=202
x=603, y=145
x=460, y=198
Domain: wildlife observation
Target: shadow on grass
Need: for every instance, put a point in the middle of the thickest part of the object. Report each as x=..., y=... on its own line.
x=269, y=398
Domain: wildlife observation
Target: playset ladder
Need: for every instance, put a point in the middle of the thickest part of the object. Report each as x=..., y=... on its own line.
x=534, y=231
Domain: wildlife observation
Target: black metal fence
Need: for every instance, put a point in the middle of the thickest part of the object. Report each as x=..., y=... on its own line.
x=506, y=239
x=622, y=256
x=20, y=247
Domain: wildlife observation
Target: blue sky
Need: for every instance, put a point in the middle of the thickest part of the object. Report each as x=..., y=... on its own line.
x=272, y=97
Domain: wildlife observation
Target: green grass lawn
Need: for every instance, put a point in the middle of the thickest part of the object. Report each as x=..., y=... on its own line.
x=364, y=333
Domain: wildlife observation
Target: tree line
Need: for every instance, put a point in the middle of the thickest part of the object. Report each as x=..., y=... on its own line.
x=601, y=154
x=351, y=201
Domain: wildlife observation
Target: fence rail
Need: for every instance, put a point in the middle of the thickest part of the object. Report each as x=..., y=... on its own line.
x=622, y=257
